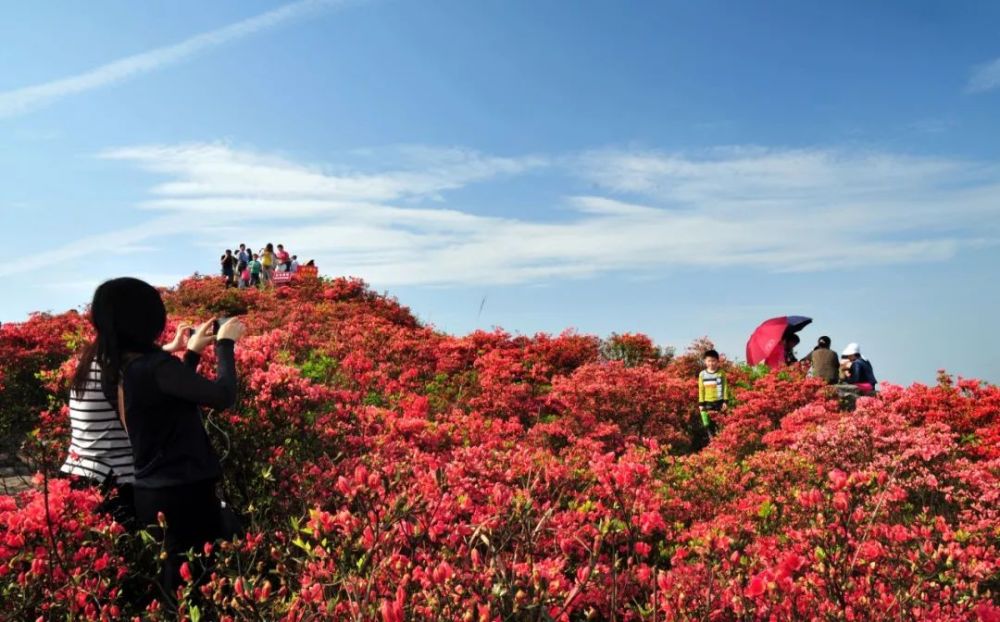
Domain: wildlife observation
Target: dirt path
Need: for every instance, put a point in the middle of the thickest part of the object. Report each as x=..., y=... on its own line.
x=14, y=477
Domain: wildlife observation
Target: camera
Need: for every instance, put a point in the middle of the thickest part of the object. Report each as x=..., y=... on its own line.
x=218, y=323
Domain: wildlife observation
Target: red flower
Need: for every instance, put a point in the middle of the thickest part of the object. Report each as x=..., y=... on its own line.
x=757, y=585
x=838, y=479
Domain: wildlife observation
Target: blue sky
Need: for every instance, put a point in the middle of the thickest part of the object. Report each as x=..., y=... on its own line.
x=674, y=168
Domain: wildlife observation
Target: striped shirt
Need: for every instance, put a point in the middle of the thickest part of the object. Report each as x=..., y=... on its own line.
x=99, y=446
x=712, y=387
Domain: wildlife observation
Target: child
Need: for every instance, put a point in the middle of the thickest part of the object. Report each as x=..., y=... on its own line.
x=255, y=270
x=713, y=390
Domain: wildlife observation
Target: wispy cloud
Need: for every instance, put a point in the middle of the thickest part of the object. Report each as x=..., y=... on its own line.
x=89, y=284
x=641, y=212
x=985, y=77
x=216, y=170
x=26, y=99
x=123, y=240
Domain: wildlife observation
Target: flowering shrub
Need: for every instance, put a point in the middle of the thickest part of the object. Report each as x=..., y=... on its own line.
x=641, y=400
x=27, y=349
x=58, y=557
x=392, y=472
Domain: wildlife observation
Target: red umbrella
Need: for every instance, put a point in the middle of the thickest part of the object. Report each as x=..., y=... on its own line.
x=766, y=344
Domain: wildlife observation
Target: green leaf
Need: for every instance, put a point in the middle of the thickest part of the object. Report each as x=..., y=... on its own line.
x=299, y=542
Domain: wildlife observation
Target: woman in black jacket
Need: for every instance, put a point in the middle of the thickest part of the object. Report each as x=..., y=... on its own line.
x=158, y=395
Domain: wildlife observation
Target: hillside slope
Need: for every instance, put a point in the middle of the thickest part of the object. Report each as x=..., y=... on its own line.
x=394, y=472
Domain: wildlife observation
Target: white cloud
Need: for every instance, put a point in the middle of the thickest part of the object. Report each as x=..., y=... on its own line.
x=985, y=77
x=125, y=240
x=26, y=99
x=809, y=190
x=216, y=170
x=89, y=284
x=771, y=209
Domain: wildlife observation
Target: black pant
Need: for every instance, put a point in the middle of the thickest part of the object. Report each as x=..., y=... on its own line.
x=192, y=512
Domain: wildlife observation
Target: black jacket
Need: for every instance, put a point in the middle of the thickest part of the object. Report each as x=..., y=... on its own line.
x=162, y=399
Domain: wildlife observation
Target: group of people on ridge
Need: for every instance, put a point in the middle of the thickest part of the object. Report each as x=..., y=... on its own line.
x=245, y=268
x=850, y=369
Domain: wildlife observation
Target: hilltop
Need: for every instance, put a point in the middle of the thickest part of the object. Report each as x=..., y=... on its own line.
x=395, y=472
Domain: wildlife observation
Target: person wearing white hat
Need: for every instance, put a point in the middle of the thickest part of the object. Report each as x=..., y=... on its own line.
x=860, y=372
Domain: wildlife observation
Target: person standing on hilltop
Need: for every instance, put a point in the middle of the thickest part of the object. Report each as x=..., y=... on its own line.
x=242, y=260
x=267, y=260
x=244, y=275
x=824, y=361
x=256, y=269
x=284, y=261
x=713, y=396
x=229, y=268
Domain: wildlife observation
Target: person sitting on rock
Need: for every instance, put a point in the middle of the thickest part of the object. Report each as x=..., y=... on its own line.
x=824, y=361
x=860, y=372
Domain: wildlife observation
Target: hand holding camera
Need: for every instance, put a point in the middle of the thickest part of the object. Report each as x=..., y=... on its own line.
x=181, y=335
x=215, y=328
x=230, y=328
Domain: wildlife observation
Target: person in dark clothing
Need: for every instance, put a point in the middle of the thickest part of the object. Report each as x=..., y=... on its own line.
x=860, y=372
x=158, y=399
x=229, y=263
x=790, y=341
x=99, y=452
x=824, y=361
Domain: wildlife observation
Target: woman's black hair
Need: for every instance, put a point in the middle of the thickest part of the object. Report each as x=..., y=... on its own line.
x=128, y=317
x=269, y=248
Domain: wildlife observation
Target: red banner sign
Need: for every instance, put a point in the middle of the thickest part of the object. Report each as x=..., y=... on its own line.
x=282, y=278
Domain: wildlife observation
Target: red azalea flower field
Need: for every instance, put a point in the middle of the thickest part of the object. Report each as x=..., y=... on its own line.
x=392, y=472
